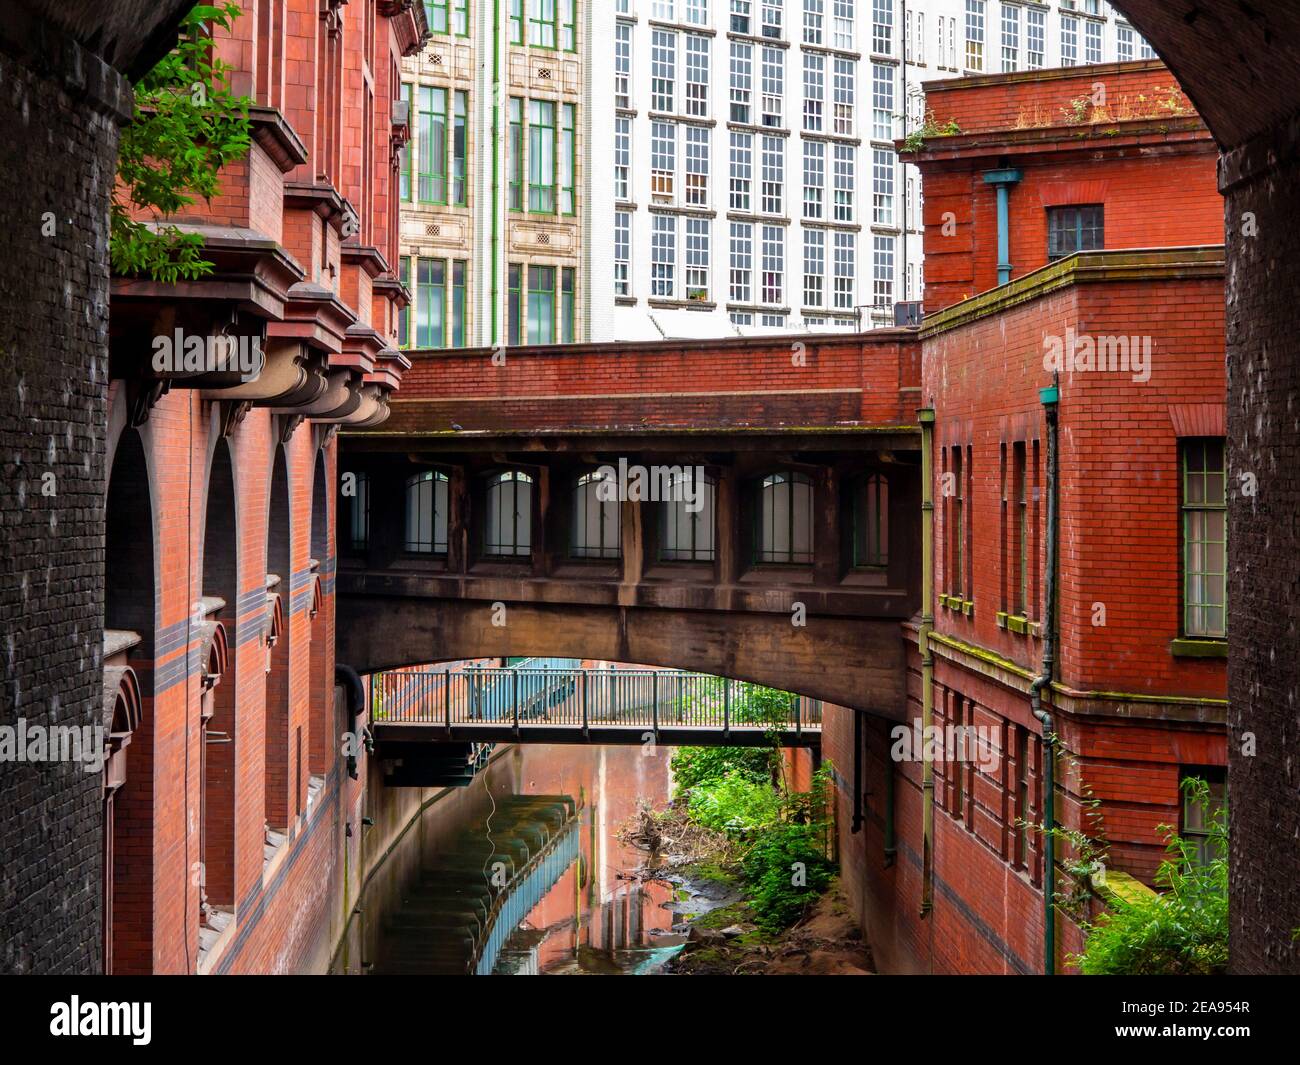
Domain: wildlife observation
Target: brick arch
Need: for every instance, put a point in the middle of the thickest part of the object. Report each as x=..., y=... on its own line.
x=855, y=662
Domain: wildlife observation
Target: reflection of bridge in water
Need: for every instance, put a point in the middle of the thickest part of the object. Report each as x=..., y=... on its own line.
x=558, y=701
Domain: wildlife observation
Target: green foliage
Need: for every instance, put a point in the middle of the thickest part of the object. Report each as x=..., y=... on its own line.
x=187, y=126
x=738, y=804
x=1183, y=931
x=693, y=766
x=915, y=140
x=786, y=870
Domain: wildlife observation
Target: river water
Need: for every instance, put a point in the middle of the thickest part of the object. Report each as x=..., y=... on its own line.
x=544, y=820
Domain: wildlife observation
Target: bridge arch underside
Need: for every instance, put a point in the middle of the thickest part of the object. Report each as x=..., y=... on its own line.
x=853, y=662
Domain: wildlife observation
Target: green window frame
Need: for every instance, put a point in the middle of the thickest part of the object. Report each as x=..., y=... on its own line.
x=430, y=303
x=515, y=154
x=1020, y=486
x=958, y=512
x=541, y=24
x=407, y=187
x=459, y=149
x=516, y=21
x=459, y=272
x=433, y=145
x=541, y=305
x=437, y=15
x=568, y=303
x=460, y=18
x=568, y=160
x=514, y=304
x=569, y=25
x=541, y=157
x=1200, y=824
x=404, y=315
x=1205, y=537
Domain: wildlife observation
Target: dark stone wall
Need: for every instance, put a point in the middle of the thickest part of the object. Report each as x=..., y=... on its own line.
x=59, y=110
x=1262, y=183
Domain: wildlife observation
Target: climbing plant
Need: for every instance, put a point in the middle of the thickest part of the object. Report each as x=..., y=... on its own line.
x=186, y=126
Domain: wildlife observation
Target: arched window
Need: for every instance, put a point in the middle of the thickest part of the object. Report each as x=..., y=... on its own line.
x=871, y=522
x=426, y=513
x=597, y=523
x=686, y=518
x=785, y=506
x=508, y=515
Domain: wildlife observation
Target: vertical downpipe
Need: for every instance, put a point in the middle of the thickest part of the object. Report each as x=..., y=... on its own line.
x=496, y=171
x=1050, y=398
x=926, y=417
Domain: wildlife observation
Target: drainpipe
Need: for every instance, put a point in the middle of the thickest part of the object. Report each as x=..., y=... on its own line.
x=1002, y=180
x=926, y=417
x=496, y=171
x=1050, y=398
x=347, y=678
x=856, y=826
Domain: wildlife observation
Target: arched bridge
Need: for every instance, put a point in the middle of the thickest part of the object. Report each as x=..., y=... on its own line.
x=747, y=508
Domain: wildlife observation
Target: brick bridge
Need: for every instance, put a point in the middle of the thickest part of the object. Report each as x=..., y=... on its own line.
x=787, y=555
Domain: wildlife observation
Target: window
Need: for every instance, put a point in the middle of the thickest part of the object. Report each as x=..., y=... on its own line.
x=697, y=166
x=1071, y=229
x=459, y=268
x=1123, y=43
x=882, y=102
x=882, y=27
x=772, y=18
x=742, y=81
x=622, y=253
x=430, y=303
x=514, y=304
x=404, y=317
x=426, y=513
x=406, y=189
x=956, y=522
x=974, y=34
x=359, y=513
x=622, y=158
x=1035, y=37
x=1202, y=824
x=460, y=18
x=1069, y=40
x=742, y=262
x=845, y=256
x=663, y=162
x=569, y=25
x=742, y=170
x=697, y=75
x=623, y=64
x=844, y=166
x=1205, y=538
x=597, y=525
x=664, y=9
x=882, y=186
x=1010, y=37
x=516, y=21
x=772, y=321
x=871, y=522
x=686, y=518
x=663, y=71
x=508, y=515
x=541, y=305
x=541, y=156
x=814, y=267
x=814, y=178
x=436, y=14
x=813, y=14
x=882, y=271
x=432, y=138
x=814, y=91
x=459, y=191
x=515, y=154
x=1092, y=42
x=773, y=175
x=842, y=25
x=773, y=86
x=541, y=23
x=737, y=318
x=785, y=519
x=568, y=304
x=697, y=12
x=568, y=158
x=741, y=14
x=773, y=264
x=844, y=79
x=663, y=256
x=697, y=258
x=1020, y=602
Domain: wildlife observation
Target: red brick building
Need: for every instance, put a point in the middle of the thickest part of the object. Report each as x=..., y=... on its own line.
x=228, y=808
x=1108, y=321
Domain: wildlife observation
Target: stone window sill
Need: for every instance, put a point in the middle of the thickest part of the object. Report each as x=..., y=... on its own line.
x=1188, y=647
